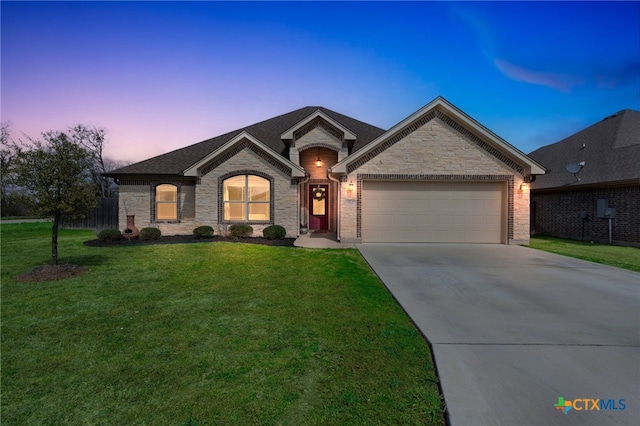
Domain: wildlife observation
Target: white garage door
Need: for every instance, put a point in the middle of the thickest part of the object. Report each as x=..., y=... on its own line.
x=455, y=212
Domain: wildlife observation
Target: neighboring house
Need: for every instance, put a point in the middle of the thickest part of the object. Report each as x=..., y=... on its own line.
x=589, y=172
x=437, y=176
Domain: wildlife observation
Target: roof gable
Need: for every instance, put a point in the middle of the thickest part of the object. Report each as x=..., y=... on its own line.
x=267, y=132
x=319, y=114
x=458, y=120
x=242, y=141
x=610, y=150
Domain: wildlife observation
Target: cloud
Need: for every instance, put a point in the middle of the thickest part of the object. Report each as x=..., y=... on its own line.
x=619, y=75
x=557, y=81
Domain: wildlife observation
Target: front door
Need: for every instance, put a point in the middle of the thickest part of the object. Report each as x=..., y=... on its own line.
x=319, y=207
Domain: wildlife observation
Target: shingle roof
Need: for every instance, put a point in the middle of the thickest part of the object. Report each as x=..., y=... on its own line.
x=609, y=148
x=267, y=132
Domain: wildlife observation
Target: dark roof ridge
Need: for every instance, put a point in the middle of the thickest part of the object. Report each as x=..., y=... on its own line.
x=610, y=148
x=619, y=115
x=267, y=131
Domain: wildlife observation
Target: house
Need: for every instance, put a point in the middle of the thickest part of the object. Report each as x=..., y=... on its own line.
x=593, y=181
x=437, y=176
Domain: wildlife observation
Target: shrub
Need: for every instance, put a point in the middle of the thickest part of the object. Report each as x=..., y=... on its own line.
x=240, y=230
x=110, y=235
x=150, y=234
x=274, y=232
x=203, y=232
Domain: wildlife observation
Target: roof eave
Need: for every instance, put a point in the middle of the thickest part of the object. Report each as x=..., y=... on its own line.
x=193, y=170
x=531, y=166
x=579, y=185
x=288, y=134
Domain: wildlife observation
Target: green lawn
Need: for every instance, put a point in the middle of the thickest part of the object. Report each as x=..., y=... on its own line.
x=207, y=333
x=621, y=257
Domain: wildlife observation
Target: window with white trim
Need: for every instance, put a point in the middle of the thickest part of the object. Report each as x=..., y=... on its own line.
x=166, y=202
x=247, y=198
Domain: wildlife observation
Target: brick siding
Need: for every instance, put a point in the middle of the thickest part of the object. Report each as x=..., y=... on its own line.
x=558, y=213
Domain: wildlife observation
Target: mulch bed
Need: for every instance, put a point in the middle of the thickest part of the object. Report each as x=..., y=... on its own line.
x=51, y=273
x=185, y=239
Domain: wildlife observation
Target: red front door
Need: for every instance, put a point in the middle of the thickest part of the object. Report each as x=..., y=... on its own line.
x=319, y=207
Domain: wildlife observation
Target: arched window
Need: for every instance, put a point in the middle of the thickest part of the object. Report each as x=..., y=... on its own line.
x=247, y=198
x=166, y=202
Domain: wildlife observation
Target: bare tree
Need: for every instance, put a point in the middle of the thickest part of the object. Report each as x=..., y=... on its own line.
x=93, y=139
x=12, y=200
x=6, y=155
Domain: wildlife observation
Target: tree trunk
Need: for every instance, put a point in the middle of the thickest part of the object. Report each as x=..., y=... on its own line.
x=54, y=241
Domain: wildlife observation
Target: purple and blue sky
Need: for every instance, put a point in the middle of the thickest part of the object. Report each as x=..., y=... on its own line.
x=163, y=75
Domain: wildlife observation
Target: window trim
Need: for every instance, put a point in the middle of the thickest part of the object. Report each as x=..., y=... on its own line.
x=245, y=173
x=154, y=203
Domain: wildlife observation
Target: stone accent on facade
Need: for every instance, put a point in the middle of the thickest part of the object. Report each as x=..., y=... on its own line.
x=241, y=146
x=284, y=194
x=137, y=197
x=443, y=119
x=433, y=146
x=318, y=137
x=199, y=203
x=134, y=200
x=432, y=152
x=521, y=216
x=315, y=126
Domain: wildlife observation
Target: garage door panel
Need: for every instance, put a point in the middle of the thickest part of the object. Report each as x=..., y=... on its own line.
x=464, y=212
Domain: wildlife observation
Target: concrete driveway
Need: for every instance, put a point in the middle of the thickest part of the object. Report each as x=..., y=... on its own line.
x=513, y=329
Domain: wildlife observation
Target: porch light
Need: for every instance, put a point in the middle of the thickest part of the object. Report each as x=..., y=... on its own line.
x=318, y=162
x=351, y=186
x=524, y=187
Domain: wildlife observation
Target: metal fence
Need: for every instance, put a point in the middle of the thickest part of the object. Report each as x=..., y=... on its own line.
x=104, y=216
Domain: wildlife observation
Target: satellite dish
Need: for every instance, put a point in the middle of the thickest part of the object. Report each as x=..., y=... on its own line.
x=575, y=168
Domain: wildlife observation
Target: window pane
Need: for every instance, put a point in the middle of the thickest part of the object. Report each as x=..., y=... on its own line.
x=319, y=207
x=258, y=189
x=166, y=193
x=234, y=211
x=258, y=211
x=234, y=188
x=167, y=211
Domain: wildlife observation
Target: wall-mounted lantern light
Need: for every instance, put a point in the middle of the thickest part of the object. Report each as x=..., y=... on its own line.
x=524, y=187
x=351, y=186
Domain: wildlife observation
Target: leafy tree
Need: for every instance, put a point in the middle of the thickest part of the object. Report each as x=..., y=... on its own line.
x=55, y=172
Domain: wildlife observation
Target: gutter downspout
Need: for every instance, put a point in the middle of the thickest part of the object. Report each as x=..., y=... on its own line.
x=299, y=208
x=339, y=202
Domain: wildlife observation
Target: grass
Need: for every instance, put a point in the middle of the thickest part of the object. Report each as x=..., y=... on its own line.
x=209, y=333
x=618, y=256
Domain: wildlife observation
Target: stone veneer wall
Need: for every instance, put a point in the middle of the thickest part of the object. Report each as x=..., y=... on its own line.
x=199, y=203
x=318, y=136
x=433, y=150
x=136, y=199
x=284, y=193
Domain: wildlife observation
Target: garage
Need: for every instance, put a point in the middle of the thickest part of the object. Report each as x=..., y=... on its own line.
x=446, y=212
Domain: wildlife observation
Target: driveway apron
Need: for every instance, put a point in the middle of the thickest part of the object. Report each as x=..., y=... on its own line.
x=514, y=329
